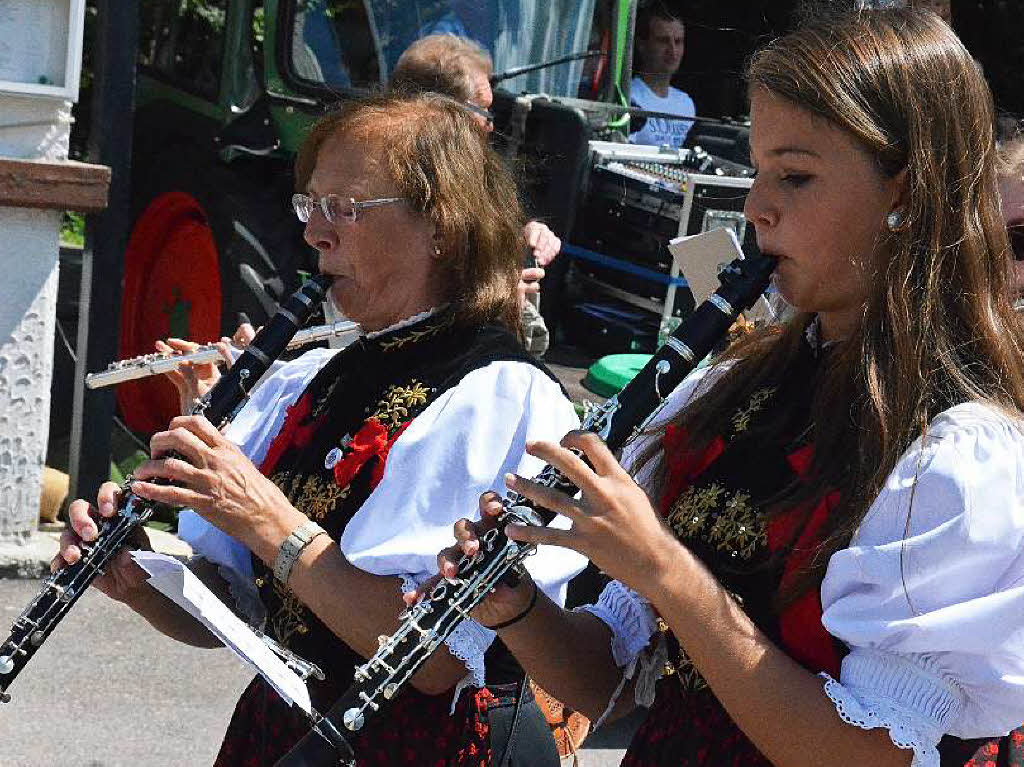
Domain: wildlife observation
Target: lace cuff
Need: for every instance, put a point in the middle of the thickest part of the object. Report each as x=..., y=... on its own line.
x=910, y=700
x=629, y=617
x=468, y=642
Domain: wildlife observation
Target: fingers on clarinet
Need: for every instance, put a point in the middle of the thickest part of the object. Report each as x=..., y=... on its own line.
x=490, y=504
x=80, y=516
x=594, y=448
x=466, y=535
x=414, y=596
x=549, y=498
x=536, y=535
x=244, y=334
x=69, y=553
x=446, y=562
x=106, y=499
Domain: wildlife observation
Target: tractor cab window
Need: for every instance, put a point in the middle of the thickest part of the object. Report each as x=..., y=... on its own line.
x=332, y=44
x=356, y=43
x=182, y=41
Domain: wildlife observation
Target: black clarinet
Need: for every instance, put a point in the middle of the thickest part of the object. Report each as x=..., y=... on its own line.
x=62, y=589
x=426, y=625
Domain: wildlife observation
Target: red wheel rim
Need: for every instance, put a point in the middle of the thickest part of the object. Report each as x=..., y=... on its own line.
x=171, y=288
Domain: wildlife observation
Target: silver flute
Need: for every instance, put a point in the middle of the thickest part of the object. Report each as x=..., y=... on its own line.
x=158, y=363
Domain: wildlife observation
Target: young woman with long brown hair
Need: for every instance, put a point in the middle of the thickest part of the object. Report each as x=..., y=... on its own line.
x=822, y=561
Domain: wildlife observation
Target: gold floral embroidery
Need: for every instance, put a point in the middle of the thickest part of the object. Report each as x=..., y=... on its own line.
x=288, y=482
x=410, y=336
x=321, y=404
x=690, y=512
x=313, y=496
x=290, y=617
x=741, y=419
x=395, y=407
x=737, y=529
x=319, y=498
x=731, y=523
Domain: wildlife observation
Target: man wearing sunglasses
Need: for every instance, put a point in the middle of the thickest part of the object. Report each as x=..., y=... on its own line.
x=458, y=67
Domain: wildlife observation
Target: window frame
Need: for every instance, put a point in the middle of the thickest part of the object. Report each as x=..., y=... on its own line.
x=320, y=91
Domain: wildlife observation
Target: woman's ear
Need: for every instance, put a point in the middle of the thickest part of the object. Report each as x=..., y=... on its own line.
x=900, y=184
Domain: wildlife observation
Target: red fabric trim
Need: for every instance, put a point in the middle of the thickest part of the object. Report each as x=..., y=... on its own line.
x=369, y=443
x=800, y=629
x=292, y=433
x=684, y=464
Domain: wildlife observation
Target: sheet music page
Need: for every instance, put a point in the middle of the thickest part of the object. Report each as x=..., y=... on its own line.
x=175, y=581
x=701, y=257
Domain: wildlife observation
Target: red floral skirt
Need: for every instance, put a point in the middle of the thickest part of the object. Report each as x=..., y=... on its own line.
x=416, y=730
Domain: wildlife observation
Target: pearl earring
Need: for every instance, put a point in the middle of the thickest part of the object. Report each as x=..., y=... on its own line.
x=894, y=221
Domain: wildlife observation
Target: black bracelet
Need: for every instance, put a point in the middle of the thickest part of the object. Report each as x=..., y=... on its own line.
x=523, y=614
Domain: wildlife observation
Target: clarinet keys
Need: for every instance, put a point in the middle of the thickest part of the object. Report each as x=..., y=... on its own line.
x=353, y=719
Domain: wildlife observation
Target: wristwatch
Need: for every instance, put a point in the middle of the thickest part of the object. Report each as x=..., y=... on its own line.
x=292, y=547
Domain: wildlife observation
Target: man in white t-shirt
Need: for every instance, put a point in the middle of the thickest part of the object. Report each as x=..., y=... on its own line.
x=659, y=46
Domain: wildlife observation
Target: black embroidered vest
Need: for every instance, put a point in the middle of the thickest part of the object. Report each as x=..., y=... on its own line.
x=332, y=448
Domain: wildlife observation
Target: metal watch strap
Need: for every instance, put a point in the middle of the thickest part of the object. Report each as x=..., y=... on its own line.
x=292, y=547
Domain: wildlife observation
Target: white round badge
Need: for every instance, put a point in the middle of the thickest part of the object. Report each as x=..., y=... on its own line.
x=332, y=458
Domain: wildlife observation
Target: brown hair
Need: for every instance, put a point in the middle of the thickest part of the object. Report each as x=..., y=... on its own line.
x=937, y=328
x=430, y=148
x=645, y=16
x=441, y=63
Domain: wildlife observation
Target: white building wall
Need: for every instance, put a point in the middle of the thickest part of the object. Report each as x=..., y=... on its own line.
x=33, y=129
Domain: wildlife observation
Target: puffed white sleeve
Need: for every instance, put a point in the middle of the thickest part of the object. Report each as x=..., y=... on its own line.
x=460, y=446
x=253, y=429
x=932, y=606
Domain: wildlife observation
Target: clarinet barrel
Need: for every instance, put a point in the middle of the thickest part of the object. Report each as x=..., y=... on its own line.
x=63, y=588
x=424, y=627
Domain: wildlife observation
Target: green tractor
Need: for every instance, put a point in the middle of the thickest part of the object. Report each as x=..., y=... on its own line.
x=227, y=89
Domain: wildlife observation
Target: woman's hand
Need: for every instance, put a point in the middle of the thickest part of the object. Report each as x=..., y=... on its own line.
x=193, y=380
x=613, y=522
x=529, y=283
x=214, y=478
x=504, y=602
x=122, y=578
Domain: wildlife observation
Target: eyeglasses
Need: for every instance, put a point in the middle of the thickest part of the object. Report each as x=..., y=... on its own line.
x=335, y=207
x=484, y=113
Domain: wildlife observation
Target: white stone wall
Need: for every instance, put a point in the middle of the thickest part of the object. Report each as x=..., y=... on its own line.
x=34, y=128
x=30, y=129
x=28, y=300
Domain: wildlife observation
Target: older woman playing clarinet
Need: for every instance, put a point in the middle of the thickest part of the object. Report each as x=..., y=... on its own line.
x=353, y=465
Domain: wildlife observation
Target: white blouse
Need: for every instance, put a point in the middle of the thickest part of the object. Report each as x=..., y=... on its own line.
x=931, y=609
x=460, y=446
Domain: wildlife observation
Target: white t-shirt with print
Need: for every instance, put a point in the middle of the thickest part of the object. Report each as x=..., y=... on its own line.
x=661, y=131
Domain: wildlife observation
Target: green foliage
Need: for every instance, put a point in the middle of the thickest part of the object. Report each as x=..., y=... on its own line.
x=72, y=230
